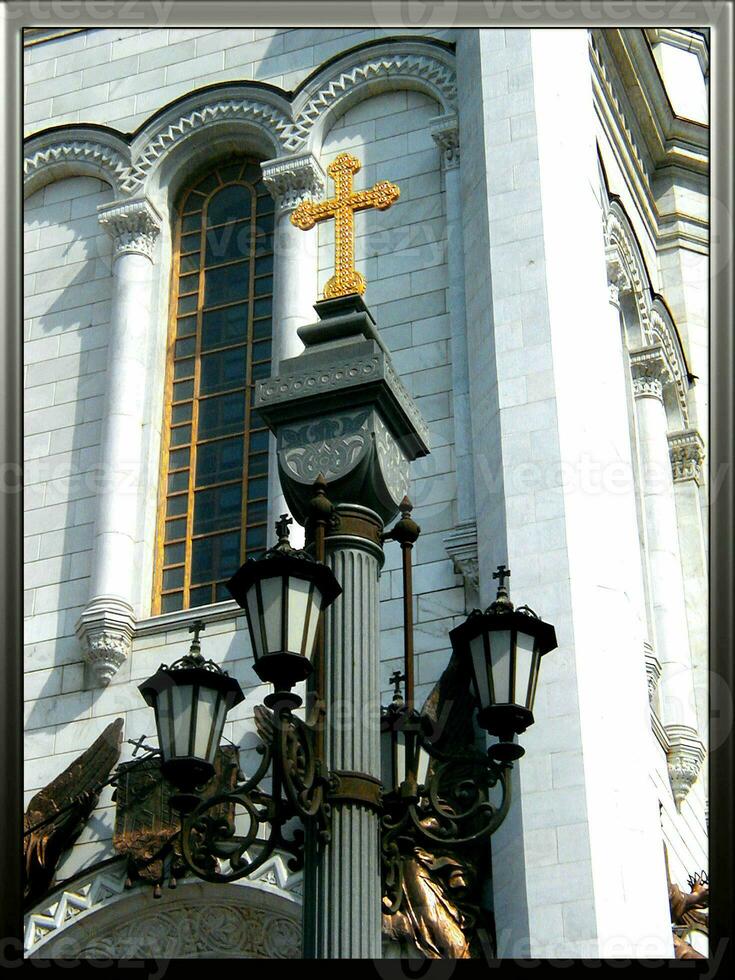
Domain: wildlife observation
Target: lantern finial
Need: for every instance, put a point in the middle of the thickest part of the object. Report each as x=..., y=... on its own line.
x=282, y=525
x=502, y=600
x=396, y=678
x=197, y=627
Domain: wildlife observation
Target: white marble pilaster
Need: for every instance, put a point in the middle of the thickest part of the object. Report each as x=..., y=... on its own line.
x=650, y=374
x=686, y=451
x=105, y=627
x=291, y=180
x=461, y=543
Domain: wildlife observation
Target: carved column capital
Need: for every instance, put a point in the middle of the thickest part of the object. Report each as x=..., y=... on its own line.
x=618, y=279
x=686, y=450
x=105, y=630
x=293, y=179
x=133, y=225
x=650, y=372
x=685, y=757
x=445, y=133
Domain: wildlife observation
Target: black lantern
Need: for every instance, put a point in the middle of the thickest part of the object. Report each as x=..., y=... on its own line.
x=504, y=647
x=404, y=760
x=283, y=594
x=190, y=700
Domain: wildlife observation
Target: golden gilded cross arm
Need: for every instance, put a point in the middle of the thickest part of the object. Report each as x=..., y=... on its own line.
x=342, y=207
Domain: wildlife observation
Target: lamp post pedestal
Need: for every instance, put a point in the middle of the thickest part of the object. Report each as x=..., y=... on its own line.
x=339, y=410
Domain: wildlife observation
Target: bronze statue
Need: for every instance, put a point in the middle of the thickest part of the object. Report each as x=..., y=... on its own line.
x=687, y=914
x=440, y=914
x=57, y=814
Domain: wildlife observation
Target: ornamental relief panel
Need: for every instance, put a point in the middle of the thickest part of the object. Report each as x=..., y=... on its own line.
x=191, y=931
x=330, y=446
x=393, y=464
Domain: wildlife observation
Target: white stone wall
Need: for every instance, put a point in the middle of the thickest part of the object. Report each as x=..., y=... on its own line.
x=67, y=311
x=119, y=77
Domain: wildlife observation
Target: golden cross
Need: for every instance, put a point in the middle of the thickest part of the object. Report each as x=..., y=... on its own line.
x=346, y=279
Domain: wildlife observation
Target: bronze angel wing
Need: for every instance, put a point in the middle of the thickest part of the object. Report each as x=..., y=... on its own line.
x=56, y=815
x=449, y=709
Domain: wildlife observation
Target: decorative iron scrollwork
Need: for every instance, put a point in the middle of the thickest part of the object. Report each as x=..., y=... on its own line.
x=217, y=849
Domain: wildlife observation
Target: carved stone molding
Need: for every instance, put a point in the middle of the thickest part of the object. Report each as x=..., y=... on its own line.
x=617, y=275
x=686, y=450
x=657, y=329
x=685, y=757
x=293, y=179
x=438, y=76
x=110, y=164
x=445, y=133
x=461, y=546
x=650, y=372
x=134, y=226
x=98, y=917
x=653, y=670
x=262, y=114
x=105, y=630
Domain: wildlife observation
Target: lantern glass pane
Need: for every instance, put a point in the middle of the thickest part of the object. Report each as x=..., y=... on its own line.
x=256, y=634
x=481, y=671
x=219, y=724
x=534, y=679
x=182, y=696
x=422, y=770
x=272, y=592
x=400, y=773
x=206, y=713
x=524, y=662
x=164, y=712
x=500, y=655
x=298, y=604
x=316, y=605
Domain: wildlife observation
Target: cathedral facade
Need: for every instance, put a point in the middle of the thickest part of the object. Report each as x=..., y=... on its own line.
x=541, y=288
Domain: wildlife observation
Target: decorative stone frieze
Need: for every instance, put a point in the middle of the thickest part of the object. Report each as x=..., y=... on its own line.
x=650, y=371
x=653, y=670
x=68, y=151
x=686, y=450
x=445, y=133
x=134, y=226
x=105, y=630
x=685, y=757
x=100, y=916
x=292, y=180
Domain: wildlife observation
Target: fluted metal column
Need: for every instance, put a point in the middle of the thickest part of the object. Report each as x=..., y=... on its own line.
x=346, y=899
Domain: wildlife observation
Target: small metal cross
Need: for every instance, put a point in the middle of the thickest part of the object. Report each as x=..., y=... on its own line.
x=282, y=525
x=395, y=680
x=196, y=628
x=502, y=574
x=138, y=743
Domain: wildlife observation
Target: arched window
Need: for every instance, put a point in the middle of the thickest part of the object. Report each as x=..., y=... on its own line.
x=214, y=469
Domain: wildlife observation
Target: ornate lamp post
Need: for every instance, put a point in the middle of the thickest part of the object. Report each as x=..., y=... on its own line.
x=341, y=414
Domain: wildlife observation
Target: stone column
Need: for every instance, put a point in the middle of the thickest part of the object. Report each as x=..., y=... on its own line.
x=461, y=543
x=340, y=410
x=650, y=374
x=105, y=627
x=686, y=450
x=291, y=180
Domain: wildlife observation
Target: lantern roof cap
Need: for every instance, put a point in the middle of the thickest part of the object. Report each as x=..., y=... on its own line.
x=282, y=559
x=504, y=617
